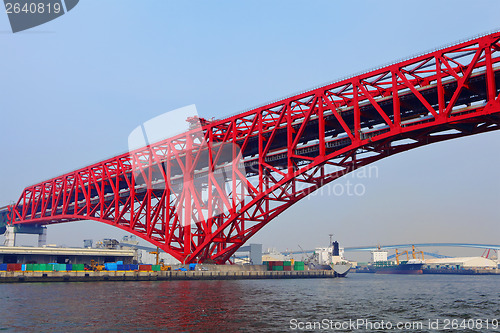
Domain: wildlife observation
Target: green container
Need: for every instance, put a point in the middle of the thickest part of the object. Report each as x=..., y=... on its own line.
x=277, y=268
x=46, y=267
x=78, y=267
x=60, y=267
x=30, y=267
x=287, y=263
x=156, y=268
x=298, y=266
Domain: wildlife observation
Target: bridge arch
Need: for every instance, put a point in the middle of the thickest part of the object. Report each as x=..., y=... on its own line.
x=287, y=150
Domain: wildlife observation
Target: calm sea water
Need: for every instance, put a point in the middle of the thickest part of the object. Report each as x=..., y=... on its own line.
x=254, y=305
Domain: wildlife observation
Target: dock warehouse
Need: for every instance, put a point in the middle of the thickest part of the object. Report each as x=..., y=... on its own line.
x=60, y=255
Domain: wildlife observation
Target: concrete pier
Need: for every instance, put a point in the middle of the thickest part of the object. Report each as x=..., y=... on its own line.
x=89, y=276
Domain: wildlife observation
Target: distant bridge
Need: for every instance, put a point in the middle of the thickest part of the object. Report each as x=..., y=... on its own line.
x=402, y=246
x=397, y=246
x=427, y=255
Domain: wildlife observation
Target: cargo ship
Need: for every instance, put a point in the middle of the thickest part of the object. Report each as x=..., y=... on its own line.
x=330, y=258
x=410, y=266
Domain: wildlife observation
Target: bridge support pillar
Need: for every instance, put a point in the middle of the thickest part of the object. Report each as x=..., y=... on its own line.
x=42, y=237
x=12, y=230
x=10, y=236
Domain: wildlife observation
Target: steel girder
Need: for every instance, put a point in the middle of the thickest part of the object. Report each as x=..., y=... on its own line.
x=172, y=193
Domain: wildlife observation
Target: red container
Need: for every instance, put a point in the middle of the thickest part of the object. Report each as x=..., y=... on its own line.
x=278, y=263
x=287, y=268
x=145, y=267
x=14, y=267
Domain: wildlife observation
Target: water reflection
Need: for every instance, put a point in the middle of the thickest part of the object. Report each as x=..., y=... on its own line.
x=242, y=306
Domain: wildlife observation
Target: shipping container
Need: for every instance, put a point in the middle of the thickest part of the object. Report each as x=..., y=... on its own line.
x=14, y=267
x=287, y=268
x=110, y=266
x=156, y=268
x=44, y=267
x=277, y=268
x=78, y=267
x=69, y=267
x=119, y=262
x=192, y=267
x=134, y=267
x=119, y=267
x=298, y=267
x=60, y=267
x=145, y=267
x=3, y=267
x=287, y=263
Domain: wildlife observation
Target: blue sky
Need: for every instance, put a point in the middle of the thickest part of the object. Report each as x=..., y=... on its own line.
x=73, y=89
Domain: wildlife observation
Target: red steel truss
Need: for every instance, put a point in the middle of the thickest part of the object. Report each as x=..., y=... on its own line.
x=170, y=193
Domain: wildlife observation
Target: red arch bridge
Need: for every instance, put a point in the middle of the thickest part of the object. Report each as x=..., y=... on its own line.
x=201, y=194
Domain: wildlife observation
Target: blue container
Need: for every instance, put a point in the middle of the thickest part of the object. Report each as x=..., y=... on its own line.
x=3, y=267
x=126, y=267
x=69, y=267
x=111, y=266
x=119, y=267
x=23, y=268
x=192, y=267
x=134, y=267
x=119, y=262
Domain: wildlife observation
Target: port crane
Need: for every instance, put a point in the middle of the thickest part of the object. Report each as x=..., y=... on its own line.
x=400, y=254
x=413, y=252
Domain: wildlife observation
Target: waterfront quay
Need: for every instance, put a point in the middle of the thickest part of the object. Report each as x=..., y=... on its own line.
x=90, y=276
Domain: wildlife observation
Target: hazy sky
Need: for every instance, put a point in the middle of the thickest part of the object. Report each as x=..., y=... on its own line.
x=73, y=89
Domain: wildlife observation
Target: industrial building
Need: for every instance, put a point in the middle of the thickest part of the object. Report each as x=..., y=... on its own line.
x=461, y=262
x=60, y=255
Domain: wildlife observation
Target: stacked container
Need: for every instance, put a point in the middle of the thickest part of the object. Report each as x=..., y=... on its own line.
x=287, y=266
x=298, y=266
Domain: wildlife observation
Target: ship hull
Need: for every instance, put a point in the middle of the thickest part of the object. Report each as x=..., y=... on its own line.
x=318, y=267
x=341, y=270
x=399, y=269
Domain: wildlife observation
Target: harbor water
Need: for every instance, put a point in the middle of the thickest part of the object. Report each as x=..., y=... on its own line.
x=256, y=305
